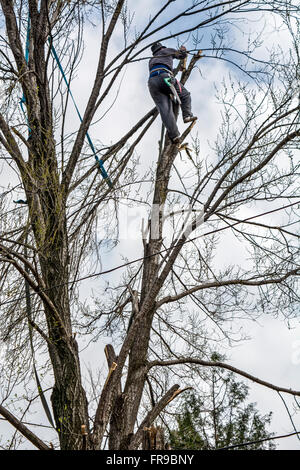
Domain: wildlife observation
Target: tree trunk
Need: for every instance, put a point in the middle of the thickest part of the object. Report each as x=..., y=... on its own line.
x=127, y=405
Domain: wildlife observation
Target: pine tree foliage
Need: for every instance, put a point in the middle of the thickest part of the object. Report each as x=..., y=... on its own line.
x=221, y=418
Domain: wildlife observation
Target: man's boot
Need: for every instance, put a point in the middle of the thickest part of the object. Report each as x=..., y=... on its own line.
x=190, y=118
x=176, y=140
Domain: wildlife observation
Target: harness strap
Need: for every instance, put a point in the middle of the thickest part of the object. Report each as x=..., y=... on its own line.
x=159, y=70
x=157, y=66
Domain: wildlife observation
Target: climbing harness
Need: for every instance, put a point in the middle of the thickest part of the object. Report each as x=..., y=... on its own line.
x=158, y=70
x=23, y=101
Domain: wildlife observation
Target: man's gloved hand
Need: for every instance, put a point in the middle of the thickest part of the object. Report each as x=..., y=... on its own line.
x=183, y=55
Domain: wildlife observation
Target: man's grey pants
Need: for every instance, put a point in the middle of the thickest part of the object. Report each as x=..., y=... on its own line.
x=160, y=93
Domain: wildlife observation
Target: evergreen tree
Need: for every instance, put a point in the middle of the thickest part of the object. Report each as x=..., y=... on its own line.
x=221, y=418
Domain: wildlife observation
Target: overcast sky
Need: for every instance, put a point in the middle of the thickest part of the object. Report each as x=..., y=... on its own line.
x=273, y=352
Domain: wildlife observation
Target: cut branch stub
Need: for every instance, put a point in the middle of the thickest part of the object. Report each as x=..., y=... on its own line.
x=153, y=438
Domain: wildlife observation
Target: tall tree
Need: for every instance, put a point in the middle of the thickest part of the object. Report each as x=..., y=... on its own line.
x=44, y=246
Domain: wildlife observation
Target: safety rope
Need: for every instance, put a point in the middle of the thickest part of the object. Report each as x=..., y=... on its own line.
x=98, y=160
x=23, y=101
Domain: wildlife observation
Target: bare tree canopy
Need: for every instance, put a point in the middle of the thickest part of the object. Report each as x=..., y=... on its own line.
x=168, y=306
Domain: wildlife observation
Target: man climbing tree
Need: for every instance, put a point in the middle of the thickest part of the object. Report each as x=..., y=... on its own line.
x=163, y=87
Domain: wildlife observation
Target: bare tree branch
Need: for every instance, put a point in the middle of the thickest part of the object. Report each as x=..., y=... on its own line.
x=36, y=441
x=191, y=360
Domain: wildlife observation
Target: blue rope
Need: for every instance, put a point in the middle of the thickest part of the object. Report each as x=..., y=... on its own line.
x=23, y=101
x=20, y=201
x=98, y=160
x=27, y=41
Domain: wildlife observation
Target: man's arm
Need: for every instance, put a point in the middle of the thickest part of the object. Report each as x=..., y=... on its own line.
x=175, y=53
x=181, y=53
